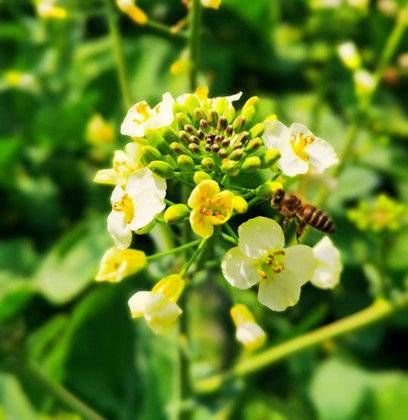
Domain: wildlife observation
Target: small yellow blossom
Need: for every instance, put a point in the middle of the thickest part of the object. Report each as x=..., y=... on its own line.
x=47, y=9
x=134, y=12
x=383, y=213
x=99, y=131
x=119, y=263
x=248, y=332
x=159, y=306
x=212, y=4
x=210, y=207
x=125, y=163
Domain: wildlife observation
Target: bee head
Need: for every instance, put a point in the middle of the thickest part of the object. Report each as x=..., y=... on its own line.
x=277, y=198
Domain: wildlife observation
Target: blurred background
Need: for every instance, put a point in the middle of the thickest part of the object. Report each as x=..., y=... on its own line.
x=60, y=110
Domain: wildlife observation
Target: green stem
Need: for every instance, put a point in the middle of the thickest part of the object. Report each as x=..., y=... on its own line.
x=180, y=248
x=231, y=231
x=229, y=238
x=59, y=392
x=379, y=310
x=163, y=31
x=194, y=41
x=196, y=254
x=119, y=56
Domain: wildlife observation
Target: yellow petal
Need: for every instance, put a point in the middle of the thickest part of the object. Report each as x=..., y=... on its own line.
x=202, y=193
x=240, y=313
x=223, y=204
x=170, y=286
x=201, y=224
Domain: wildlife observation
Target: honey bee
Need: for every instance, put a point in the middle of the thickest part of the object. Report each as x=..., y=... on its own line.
x=290, y=206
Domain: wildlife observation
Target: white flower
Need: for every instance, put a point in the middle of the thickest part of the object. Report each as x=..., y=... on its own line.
x=349, y=55
x=327, y=273
x=248, y=332
x=260, y=258
x=141, y=117
x=159, y=306
x=135, y=206
x=124, y=164
x=364, y=82
x=301, y=151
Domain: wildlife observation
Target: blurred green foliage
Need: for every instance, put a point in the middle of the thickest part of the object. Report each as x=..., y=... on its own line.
x=53, y=228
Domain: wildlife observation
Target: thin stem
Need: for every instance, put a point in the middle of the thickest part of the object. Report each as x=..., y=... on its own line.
x=180, y=248
x=379, y=310
x=163, y=31
x=229, y=238
x=59, y=392
x=196, y=254
x=194, y=41
x=119, y=56
x=231, y=231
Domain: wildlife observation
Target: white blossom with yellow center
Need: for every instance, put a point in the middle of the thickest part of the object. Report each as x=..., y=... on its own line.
x=125, y=163
x=159, y=307
x=135, y=205
x=349, y=55
x=329, y=267
x=260, y=257
x=48, y=9
x=301, y=151
x=248, y=332
x=141, y=117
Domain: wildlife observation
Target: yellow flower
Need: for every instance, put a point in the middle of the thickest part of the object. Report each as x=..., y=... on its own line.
x=248, y=332
x=159, y=307
x=47, y=9
x=213, y=4
x=99, y=131
x=134, y=12
x=117, y=264
x=210, y=207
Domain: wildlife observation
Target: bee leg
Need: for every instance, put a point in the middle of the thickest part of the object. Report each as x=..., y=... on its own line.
x=299, y=230
x=285, y=223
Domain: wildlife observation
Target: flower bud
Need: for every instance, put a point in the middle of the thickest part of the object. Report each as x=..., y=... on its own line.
x=251, y=163
x=239, y=204
x=230, y=167
x=199, y=114
x=191, y=103
x=207, y=163
x=248, y=110
x=185, y=162
x=238, y=123
x=236, y=154
x=257, y=130
x=270, y=157
x=182, y=120
x=253, y=144
x=162, y=169
x=200, y=176
x=148, y=154
x=213, y=118
x=176, y=213
x=267, y=189
x=177, y=147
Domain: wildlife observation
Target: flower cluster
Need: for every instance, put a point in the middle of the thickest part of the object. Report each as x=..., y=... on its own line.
x=190, y=162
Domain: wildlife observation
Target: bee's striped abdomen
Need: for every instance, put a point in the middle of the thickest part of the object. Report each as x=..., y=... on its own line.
x=317, y=218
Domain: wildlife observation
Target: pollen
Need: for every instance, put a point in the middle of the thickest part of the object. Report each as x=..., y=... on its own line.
x=125, y=206
x=143, y=109
x=273, y=260
x=299, y=142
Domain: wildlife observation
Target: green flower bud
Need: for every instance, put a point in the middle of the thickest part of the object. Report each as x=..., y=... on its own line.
x=257, y=130
x=236, y=154
x=185, y=162
x=191, y=103
x=155, y=138
x=251, y=163
x=239, y=204
x=199, y=114
x=248, y=110
x=176, y=213
x=177, y=147
x=162, y=169
x=182, y=120
x=270, y=157
x=238, y=123
x=207, y=163
x=213, y=118
x=200, y=176
x=148, y=154
x=221, y=105
x=230, y=167
x=253, y=144
x=266, y=190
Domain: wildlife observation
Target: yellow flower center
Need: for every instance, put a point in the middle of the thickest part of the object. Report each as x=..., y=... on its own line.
x=209, y=208
x=143, y=109
x=299, y=142
x=125, y=205
x=272, y=262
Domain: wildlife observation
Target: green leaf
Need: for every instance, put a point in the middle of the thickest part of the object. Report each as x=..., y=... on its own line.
x=70, y=266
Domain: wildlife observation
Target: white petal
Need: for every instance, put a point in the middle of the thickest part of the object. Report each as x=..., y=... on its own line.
x=117, y=194
x=327, y=273
x=258, y=235
x=119, y=230
x=144, y=181
x=291, y=164
x=239, y=270
x=276, y=136
x=298, y=128
x=300, y=262
x=321, y=155
x=160, y=313
x=130, y=127
x=146, y=207
x=280, y=291
x=233, y=98
x=138, y=302
x=250, y=334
